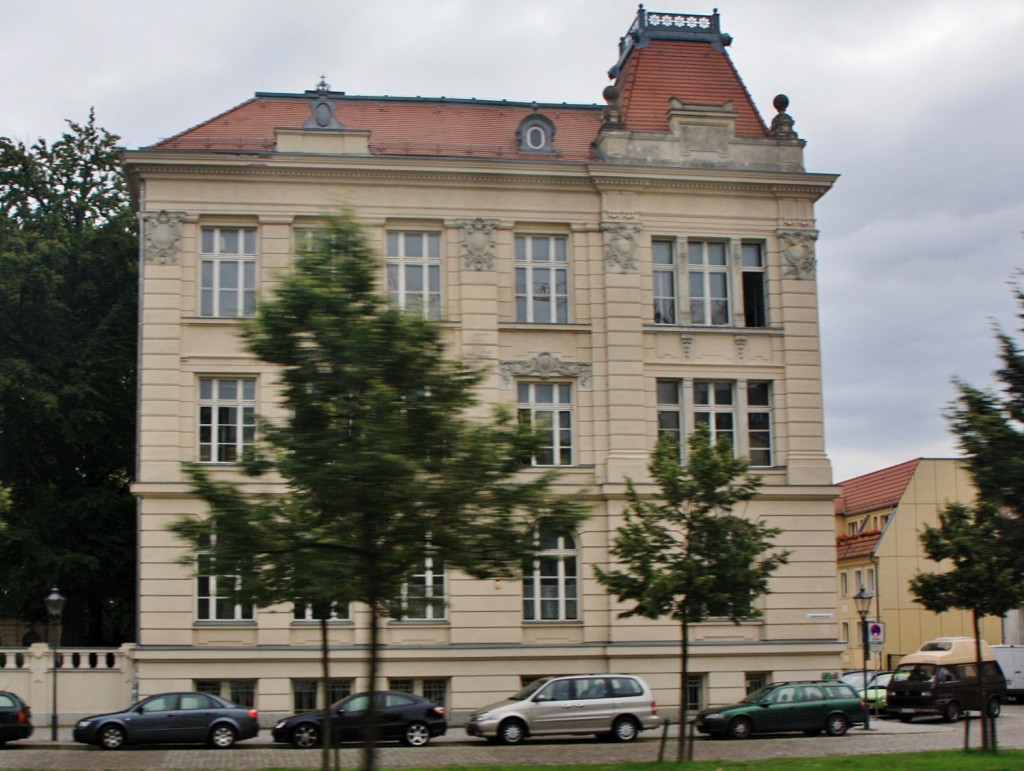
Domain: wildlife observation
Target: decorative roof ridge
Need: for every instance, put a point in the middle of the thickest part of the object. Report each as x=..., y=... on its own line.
x=658, y=25
x=342, y=97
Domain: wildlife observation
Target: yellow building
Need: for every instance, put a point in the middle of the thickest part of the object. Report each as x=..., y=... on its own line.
x=632, y=268
x=879, y=517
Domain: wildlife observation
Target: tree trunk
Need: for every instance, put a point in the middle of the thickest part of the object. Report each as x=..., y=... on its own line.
x=987, y=745
x=681, y=753
x=325, y=668
x=370, y=729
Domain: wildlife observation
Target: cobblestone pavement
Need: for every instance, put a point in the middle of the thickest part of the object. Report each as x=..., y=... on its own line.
x=885, y=736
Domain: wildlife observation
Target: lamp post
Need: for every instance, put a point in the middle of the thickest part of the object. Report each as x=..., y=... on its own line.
x=863, y=599
x=54, y=607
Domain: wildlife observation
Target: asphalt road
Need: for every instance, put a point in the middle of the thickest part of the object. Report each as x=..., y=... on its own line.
x=885, y=736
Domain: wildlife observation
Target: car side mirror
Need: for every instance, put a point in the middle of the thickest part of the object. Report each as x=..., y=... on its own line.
x=141, y=710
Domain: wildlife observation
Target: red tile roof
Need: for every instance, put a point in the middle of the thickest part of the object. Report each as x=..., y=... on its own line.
x=651, y=73
x=691, y=71
x=877, y=490
x=400, y=126
x=857, y=547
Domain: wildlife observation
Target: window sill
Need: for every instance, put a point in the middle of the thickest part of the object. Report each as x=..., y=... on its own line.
x=724, y=329
x=207, y=622
x=418, y=622
x=571, y=326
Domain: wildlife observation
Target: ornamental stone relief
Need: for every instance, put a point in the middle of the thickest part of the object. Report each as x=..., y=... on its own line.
x=546, y=365
x=478, y=242
x=798, y=251
x=620, y=246
x=162, y=235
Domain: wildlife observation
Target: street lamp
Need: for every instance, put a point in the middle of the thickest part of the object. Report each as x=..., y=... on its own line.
x=54, y=607
x=863, y=599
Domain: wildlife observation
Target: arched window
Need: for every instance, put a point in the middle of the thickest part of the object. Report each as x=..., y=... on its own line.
x=551, y=582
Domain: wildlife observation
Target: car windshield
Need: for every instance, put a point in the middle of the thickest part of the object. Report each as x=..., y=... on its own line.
x=855, y=679
x=529, y=689
x=914, y=673
x=756, y=697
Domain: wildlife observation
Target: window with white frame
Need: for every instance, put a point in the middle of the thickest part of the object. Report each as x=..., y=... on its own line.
x=423, y=595
x=338, y=611
x=869, y=578
x=755, y=306
x=670, y=411
x=663, y=276
x=759, y=423
x=227, y=418
x=714, y=405
x=227, y=272
x=213, y=594
x=551, y=580
x=547, y=408
x=542, y=279
x=844, y=631
x=708, y=277
x=844, y=584
x=414, y=271
x=858, y=580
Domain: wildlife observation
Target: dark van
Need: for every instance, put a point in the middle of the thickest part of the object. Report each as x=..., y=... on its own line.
x=942, y=679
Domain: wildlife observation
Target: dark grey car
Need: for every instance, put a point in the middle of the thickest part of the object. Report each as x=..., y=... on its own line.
x=171, y=718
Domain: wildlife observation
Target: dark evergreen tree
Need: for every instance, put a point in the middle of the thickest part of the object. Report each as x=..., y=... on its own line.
x=68, y=315
x=684, y=554
x=981, y=576
x=381, y=460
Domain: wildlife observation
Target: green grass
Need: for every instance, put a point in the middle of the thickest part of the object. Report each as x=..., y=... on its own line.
x=945, y=760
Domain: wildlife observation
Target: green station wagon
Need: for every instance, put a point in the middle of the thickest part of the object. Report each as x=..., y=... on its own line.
x=809, y=706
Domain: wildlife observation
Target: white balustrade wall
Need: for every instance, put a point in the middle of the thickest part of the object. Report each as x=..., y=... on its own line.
x=89, y=680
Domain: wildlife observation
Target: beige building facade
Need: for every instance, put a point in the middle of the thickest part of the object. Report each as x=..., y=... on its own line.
x=621, y=270
x=879, y=518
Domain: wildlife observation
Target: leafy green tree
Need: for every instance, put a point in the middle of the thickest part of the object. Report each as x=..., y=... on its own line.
x=381, y=461
x=970, y=541
x=68, y=314
x=685, y=555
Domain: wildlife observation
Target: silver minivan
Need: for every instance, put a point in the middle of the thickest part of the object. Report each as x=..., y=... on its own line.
x=616, y=706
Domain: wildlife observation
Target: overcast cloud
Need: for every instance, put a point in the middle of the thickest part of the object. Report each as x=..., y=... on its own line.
x=917, y=104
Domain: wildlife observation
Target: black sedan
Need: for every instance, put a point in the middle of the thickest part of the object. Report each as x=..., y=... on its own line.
x=402, y=717
x=171, y=718
x=15, y=718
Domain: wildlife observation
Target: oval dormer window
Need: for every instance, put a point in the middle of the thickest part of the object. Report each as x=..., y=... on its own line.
x=536, y=134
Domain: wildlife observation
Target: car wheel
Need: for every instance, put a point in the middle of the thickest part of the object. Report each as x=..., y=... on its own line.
x=111, y=737
x=625, y=729
x=836, y=725
x=951, y=713
x=906, y=718
x=305, y=735
x=995, y=707
x=222, y=736
x=512, y=731
x=740, y=728
x=416, y=735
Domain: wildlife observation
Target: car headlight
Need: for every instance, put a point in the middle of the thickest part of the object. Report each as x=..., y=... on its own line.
x=279, y=724
x=926, y=694
x=714, y=716
x=83, y=724
x=482, y=716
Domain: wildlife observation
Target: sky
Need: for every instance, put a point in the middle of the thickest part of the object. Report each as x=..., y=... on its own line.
x=917, y=104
